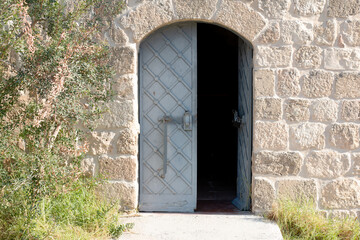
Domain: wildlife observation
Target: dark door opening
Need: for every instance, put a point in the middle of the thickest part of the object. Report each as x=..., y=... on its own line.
x=217, y=97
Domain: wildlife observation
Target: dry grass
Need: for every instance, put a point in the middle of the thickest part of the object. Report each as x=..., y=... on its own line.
x=300, y=220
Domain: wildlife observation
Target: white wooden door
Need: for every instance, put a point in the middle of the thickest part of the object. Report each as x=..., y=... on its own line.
x=168, y=119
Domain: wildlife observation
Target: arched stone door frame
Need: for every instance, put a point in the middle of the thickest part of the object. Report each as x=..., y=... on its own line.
x=125, y=36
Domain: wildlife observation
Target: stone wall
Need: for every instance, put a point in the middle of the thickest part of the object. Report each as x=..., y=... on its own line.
x=306, y=90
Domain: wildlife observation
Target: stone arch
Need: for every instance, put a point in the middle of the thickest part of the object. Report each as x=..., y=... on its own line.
x=233, y=15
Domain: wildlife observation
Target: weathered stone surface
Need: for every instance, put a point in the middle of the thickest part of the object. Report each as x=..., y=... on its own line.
x=123, y=60
x=325, y=35
x=273, y=56
x=355, y=168
x=127, y=142
x=309, y=7
x=147, y=17
x=120, y=168
x=308, y=57
x=326, y=164
x=268, y=108
x=342, y=59
x=318, y=84
x=100, y=142
x=295, y=31
x=196, y=9
x=117, y=36
x=288, y=84
x=124, y=192
x=324, y=110
x=295, y=189
x=271, y=135
x=342, y=214
x=271, y=34
x=347, y=85
x=307, y=136
x=124, y=88
x=351, y=32
x=350, y=110
x=264, y=83
x=88, y=167
x=120, y=114
x=236, y=15
x=297, y=110
x=340, y=8
x=278, y=163
x=275, y=8
x=344, y=136
x=341, y=194
x=264, y=194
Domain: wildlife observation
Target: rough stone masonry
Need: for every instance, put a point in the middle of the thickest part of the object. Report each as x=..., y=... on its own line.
x=306, y=96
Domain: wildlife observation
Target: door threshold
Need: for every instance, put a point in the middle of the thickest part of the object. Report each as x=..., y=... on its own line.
x=216, y=206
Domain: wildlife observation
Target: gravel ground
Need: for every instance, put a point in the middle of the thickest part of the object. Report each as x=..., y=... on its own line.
x=200, y=226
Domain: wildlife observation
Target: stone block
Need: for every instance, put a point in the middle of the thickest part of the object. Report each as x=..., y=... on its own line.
x=308, y=57
x=274, y=9
x=342, y=214
x=296, y=189
x=117, y=36
x=124, y=88
x=324, y=110
x=351, y=32
x=147, y=17
x=350, y=110
x=127, y=142
x=123, y=60
x=355, y=168
x=241, y=18
x=120, y=168
x=120, y=114
x=318, y=84
x=344, y=136
x=288, y=84
x=326, y=164
x=278, y=163
x=124, y=193
x=88, y=167
x=341, y=194
x=268, y=108
x=307, y=136
x=324, y=35
x=273, y=56
x=100, y=142
x=309, y=7
x=196, y=9
x=264, y=83
x=347, y=85
x=271, y=34
x=296, y=31
x=264, y=194
x=342, y=59
x=271, y=135
x=297, y=110
x=340, y=8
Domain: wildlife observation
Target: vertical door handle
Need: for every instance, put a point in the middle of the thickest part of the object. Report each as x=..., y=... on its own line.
x=165, y=120
x=187, y=121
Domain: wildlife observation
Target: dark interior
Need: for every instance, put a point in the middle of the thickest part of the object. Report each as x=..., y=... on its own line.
x=217, y=97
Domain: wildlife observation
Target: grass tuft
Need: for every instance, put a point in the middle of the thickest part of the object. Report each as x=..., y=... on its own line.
x=300, y=220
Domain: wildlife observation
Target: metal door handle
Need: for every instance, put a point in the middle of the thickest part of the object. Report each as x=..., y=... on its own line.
x=238, y=121
x=187, y=121
x=165, y=120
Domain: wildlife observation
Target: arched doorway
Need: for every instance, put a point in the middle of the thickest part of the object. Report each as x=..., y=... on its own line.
x=193, y=78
